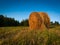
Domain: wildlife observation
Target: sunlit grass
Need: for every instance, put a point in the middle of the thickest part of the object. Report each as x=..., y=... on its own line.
x=24, y=36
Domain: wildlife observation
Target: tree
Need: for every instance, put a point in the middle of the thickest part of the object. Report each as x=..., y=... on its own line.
x=1, y=20
x=51, y=23
x=6, y=21
x=24, y=23
x=56, y=23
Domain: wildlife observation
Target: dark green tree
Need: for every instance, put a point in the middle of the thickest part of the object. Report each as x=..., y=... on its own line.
x=24, y=23
x=6, y=21
x=56, y=23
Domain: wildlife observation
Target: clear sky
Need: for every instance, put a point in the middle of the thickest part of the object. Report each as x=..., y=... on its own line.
x=21, y=9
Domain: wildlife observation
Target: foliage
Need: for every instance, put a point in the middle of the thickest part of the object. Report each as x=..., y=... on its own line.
x=5, y=21
x=56, y=23
x=24, y=23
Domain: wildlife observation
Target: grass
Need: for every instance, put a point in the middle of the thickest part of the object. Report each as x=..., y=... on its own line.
x=24, y=36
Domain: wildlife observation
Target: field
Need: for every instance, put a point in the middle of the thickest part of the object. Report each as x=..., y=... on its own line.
x=24, y=36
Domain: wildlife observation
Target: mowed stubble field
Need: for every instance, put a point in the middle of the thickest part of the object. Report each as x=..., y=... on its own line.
x=24, y=36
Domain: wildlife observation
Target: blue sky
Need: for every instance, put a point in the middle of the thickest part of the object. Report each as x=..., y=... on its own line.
x=21, y=9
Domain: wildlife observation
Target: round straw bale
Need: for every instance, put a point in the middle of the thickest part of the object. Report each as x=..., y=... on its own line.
x=35, y=21
x=46, y=19
x=39, y=20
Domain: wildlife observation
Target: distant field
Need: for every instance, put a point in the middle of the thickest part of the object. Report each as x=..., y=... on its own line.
x=24, y=36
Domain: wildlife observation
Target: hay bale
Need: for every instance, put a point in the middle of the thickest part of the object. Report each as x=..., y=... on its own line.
x=35, y=21
x=46, y=19
x=38, y=20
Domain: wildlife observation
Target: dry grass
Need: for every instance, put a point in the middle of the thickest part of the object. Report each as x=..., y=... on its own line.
x=24, y=36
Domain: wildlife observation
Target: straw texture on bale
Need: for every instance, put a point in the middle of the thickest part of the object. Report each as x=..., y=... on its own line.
x=39, y=20
x=46, y=19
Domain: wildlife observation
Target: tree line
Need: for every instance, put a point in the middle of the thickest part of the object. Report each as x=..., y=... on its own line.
x=6, y=21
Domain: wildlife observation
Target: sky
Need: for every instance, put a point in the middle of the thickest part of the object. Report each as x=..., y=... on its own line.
x=21, y=9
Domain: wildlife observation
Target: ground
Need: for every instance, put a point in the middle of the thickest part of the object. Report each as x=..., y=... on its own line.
x=23, y=36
